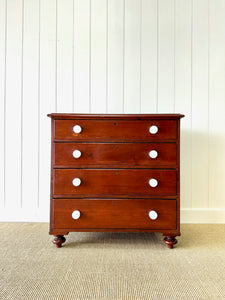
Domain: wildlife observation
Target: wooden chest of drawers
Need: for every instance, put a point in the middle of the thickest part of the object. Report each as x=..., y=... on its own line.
x=115, y=173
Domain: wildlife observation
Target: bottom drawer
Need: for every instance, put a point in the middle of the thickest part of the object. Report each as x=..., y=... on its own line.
x=114, y=213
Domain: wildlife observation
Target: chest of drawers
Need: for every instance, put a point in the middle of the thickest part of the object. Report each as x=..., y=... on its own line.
x=115, y=173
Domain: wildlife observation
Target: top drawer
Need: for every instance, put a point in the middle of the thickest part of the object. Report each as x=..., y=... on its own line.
x=115, y=130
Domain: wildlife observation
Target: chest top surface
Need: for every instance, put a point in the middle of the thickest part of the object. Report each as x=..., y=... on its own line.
x=65, y=116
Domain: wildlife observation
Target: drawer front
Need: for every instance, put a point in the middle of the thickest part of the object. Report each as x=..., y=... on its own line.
x=119, y=182
x=115, y=214
x=115, y=130
x=106, y=154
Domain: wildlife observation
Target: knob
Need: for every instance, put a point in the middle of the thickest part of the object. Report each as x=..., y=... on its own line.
x=153, y=129
x=153, y=215
x=76, y=214
x=77, y=129
x=76, y=153
x=153, y=154
x=76, y=181
x=153, y=182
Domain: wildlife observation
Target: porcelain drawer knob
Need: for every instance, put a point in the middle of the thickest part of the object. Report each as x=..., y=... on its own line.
x=76, y=153
x=77, y=129
x=76, y=214
x=153, y=129
x=153, y=154
x=153, y=182
x=153, y=215
x=76, y=181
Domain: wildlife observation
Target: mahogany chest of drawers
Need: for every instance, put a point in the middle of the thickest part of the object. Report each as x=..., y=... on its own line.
x=115, y=173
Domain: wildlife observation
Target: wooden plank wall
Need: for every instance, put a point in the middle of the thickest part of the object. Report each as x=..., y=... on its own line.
x=111, y=56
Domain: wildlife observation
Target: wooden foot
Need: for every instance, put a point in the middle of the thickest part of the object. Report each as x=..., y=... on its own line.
x=58, y=240
x=170, y=241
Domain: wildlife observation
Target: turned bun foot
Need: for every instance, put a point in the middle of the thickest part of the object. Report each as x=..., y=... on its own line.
x=58, y=240
x=170, y=241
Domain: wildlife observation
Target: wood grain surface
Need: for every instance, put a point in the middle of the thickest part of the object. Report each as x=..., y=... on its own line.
x=115, y=130
x=120, y=182
x=115, y=154
x=114, y=213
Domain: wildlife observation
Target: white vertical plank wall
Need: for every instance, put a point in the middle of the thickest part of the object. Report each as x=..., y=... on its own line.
x=166, y=46
x=111, y=56
x=115, y=57
x=64, y=70
x=2, y=99
x=132, y=55
x=183, y=90
x=200, y=104
x=216, y=122
x=98, y=56
x=149, y=56
x=30, y=105
x=82, y=55
x=47, y=98
x=14, y=105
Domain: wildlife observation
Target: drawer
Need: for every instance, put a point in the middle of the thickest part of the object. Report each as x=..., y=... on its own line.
x=114, y=213
x=111, y=154
x=119, y=182
x=115, y=130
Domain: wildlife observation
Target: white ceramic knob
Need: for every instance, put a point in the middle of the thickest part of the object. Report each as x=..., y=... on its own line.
x=153, y=129
x=153, y=215
x=76, y=214
x=77, y=129
x=153, y=154
x=76, y=153
x=153, y=182
x=76, y=181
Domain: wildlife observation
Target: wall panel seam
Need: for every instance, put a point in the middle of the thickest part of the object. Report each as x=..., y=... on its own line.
x=174, y=55
x=56, y=54
x=191, y=108
x=157, y=58
x=107, y=53
x=21, y=108
x=5, y=72
x=73, y=31
x=90, y=38
x=140, y=83
x=38, y=91
x=208, y=92
x=124, y=6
